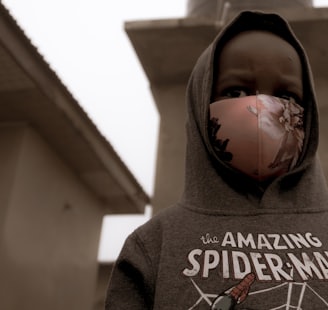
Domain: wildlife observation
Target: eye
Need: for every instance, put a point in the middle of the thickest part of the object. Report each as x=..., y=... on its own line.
x=234, y=92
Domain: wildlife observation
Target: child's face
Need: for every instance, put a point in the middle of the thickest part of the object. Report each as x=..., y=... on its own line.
x=258, y=62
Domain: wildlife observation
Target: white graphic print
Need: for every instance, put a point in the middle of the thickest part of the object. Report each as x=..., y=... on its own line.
x=305, y=289
x=293, y=263
x=270, y=255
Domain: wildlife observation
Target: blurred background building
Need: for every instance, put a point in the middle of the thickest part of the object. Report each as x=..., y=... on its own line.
x=60, y=175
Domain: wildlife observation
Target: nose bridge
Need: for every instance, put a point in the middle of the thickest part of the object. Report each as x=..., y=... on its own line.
x=265, y=83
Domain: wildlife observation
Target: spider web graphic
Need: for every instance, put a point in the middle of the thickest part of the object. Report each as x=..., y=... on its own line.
x=305, y=288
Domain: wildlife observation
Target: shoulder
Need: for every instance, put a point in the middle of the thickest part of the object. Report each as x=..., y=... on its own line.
x=157, y=225
x=151, y=234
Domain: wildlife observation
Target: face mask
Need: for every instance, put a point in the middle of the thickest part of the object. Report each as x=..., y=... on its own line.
x=261, y=136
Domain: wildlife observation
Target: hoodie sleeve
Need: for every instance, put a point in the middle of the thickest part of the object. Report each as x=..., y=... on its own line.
x=132, y=283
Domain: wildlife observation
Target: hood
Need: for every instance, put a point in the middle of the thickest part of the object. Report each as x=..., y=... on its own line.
x=210, y=184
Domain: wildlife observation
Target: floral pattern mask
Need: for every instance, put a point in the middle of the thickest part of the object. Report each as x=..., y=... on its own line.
x=261, y=136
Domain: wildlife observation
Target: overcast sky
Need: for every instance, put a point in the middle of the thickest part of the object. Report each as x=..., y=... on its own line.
x=85, y=44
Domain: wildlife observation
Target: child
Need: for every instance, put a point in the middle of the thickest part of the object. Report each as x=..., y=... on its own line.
x=250, y=229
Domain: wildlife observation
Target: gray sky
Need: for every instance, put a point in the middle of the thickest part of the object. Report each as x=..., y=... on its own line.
x=85, y=44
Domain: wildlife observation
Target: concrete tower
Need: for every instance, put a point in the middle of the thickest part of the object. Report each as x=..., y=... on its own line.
x=214, y=9
x=168, y=49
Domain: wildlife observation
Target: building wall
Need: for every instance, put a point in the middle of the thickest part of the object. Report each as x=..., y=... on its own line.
x=50, y=227
x=104, y=272
x=170, y=164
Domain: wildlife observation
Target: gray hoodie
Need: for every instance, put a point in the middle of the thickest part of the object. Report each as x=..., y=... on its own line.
x=229, y=243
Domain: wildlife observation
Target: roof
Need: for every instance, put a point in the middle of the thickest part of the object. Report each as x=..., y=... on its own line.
x=31, y=92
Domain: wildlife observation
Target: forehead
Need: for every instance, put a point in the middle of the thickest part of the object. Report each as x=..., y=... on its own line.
x=258, y=58
x=258, y=46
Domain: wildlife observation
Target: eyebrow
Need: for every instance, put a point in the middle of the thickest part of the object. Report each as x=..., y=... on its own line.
x=236, y=76
x=241, y=76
